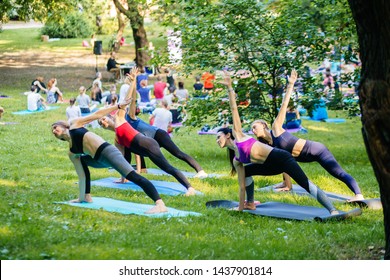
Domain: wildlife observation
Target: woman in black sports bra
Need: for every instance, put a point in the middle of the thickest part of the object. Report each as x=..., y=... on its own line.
x=89, y=149
x=301, y=149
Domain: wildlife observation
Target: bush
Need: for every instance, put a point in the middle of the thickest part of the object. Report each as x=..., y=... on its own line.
x=73, y=25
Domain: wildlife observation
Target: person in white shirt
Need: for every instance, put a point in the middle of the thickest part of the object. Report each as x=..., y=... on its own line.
x=73, y=111
x=162, y=116
x=169, y=98
x=124, y=89
x=182, y=93
x=35, y=101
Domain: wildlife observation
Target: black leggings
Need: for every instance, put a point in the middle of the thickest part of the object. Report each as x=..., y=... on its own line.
x=280, y=161
x=165, y=141
x=108, y=155
x=148, y=147
x=315, y=151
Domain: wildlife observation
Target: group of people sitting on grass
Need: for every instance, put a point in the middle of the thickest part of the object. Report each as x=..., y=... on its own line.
x=274, y=151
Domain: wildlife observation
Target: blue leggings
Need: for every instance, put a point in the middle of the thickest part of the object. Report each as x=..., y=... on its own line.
x=280, y=161
x=315, y=151
x=108, y=155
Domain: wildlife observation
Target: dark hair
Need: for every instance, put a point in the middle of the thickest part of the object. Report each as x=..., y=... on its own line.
x=231, y=154
x=181, y=85
x=34, y=88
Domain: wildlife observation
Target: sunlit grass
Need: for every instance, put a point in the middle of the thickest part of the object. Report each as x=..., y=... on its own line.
x=35, y=172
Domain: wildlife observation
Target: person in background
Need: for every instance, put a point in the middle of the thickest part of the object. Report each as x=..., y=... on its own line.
x=84, y=101
x=170, y=78
x=162, y=117
x=198, y=87
x=35, y=101
x=208, y=80
x=141, y=77
x=73, y=111
x=113, y=65
x=1, y=114
x=182, y=93
x=159, y=88
x=38, y=82
x=54, y=94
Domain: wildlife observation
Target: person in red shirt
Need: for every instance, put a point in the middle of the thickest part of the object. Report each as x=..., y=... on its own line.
x=208, y=79
x=159, y=88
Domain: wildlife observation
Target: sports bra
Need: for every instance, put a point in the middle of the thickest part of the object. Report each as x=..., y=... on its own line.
x=244, y=150
x=142, y=126
x=125, y=134
x=77, y=136
x=285, y=141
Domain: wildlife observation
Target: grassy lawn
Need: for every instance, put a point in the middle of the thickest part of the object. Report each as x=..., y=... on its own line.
x=35, y=172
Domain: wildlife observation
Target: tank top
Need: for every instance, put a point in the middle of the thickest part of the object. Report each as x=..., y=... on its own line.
x=244, y=150
x=142, y=126
x=125, y=134
x=285, y=141
x=77, y=136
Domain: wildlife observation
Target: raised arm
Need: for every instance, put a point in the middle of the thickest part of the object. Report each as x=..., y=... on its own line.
x=281, y=117
x=133, y=93
x=79, y=122
x=237, y=127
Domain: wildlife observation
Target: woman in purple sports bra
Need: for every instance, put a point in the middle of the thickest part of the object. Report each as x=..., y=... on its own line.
x=260, y=159
x=301, y=149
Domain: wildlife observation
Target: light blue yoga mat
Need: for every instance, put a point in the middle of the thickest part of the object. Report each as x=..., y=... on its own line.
x=163, y=187
x=26, y=112
x=155, y=171
x=127, y=208
x=335, y=120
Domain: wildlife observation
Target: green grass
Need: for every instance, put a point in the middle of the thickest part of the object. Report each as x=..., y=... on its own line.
x=35, y=172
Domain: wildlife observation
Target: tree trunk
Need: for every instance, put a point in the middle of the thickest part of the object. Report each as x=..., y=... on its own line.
x=121, y=27
x=373, y=29
x=139, y=33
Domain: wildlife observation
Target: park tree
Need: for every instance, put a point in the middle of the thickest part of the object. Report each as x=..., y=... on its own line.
x=265, y=38
x=374, y=93
x=134, y=11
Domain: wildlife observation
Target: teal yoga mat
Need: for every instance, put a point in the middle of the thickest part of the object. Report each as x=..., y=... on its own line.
x=128, y=208
x=155, y=171
x=163, y=187
x=373, y=203
x=288, y=211
x=334, y=120
x=27, y=112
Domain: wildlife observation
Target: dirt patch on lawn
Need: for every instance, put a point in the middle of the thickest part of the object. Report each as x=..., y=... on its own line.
x=71, y=68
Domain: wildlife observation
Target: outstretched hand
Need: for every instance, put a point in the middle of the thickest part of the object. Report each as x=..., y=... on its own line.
x=125, y=102
x=293, y=77
x=227, y=80
x=133, y=73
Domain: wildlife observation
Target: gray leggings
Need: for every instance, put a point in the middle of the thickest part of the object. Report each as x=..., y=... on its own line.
x=108, y=155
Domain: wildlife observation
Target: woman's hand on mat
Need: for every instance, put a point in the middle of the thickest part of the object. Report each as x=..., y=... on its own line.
x=121, y=181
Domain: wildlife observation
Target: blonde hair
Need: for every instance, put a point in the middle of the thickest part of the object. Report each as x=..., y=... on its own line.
x=262, y=122
x=63, y=124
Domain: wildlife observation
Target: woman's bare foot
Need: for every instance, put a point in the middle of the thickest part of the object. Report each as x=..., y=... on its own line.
x=190, y=192
x=357, y=197
x=334, y=212
x=249, y=205
x=87, y=198
x=158, y=208
x=201, y=175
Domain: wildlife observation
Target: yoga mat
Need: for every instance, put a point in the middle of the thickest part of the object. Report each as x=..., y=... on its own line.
x=373, y=203
x=124, y=207
x=288, y=211
x=8, y=123
x=335, y=120
x=291, y=130
x=163, y=187
x=155, y=171
x=26, y=112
